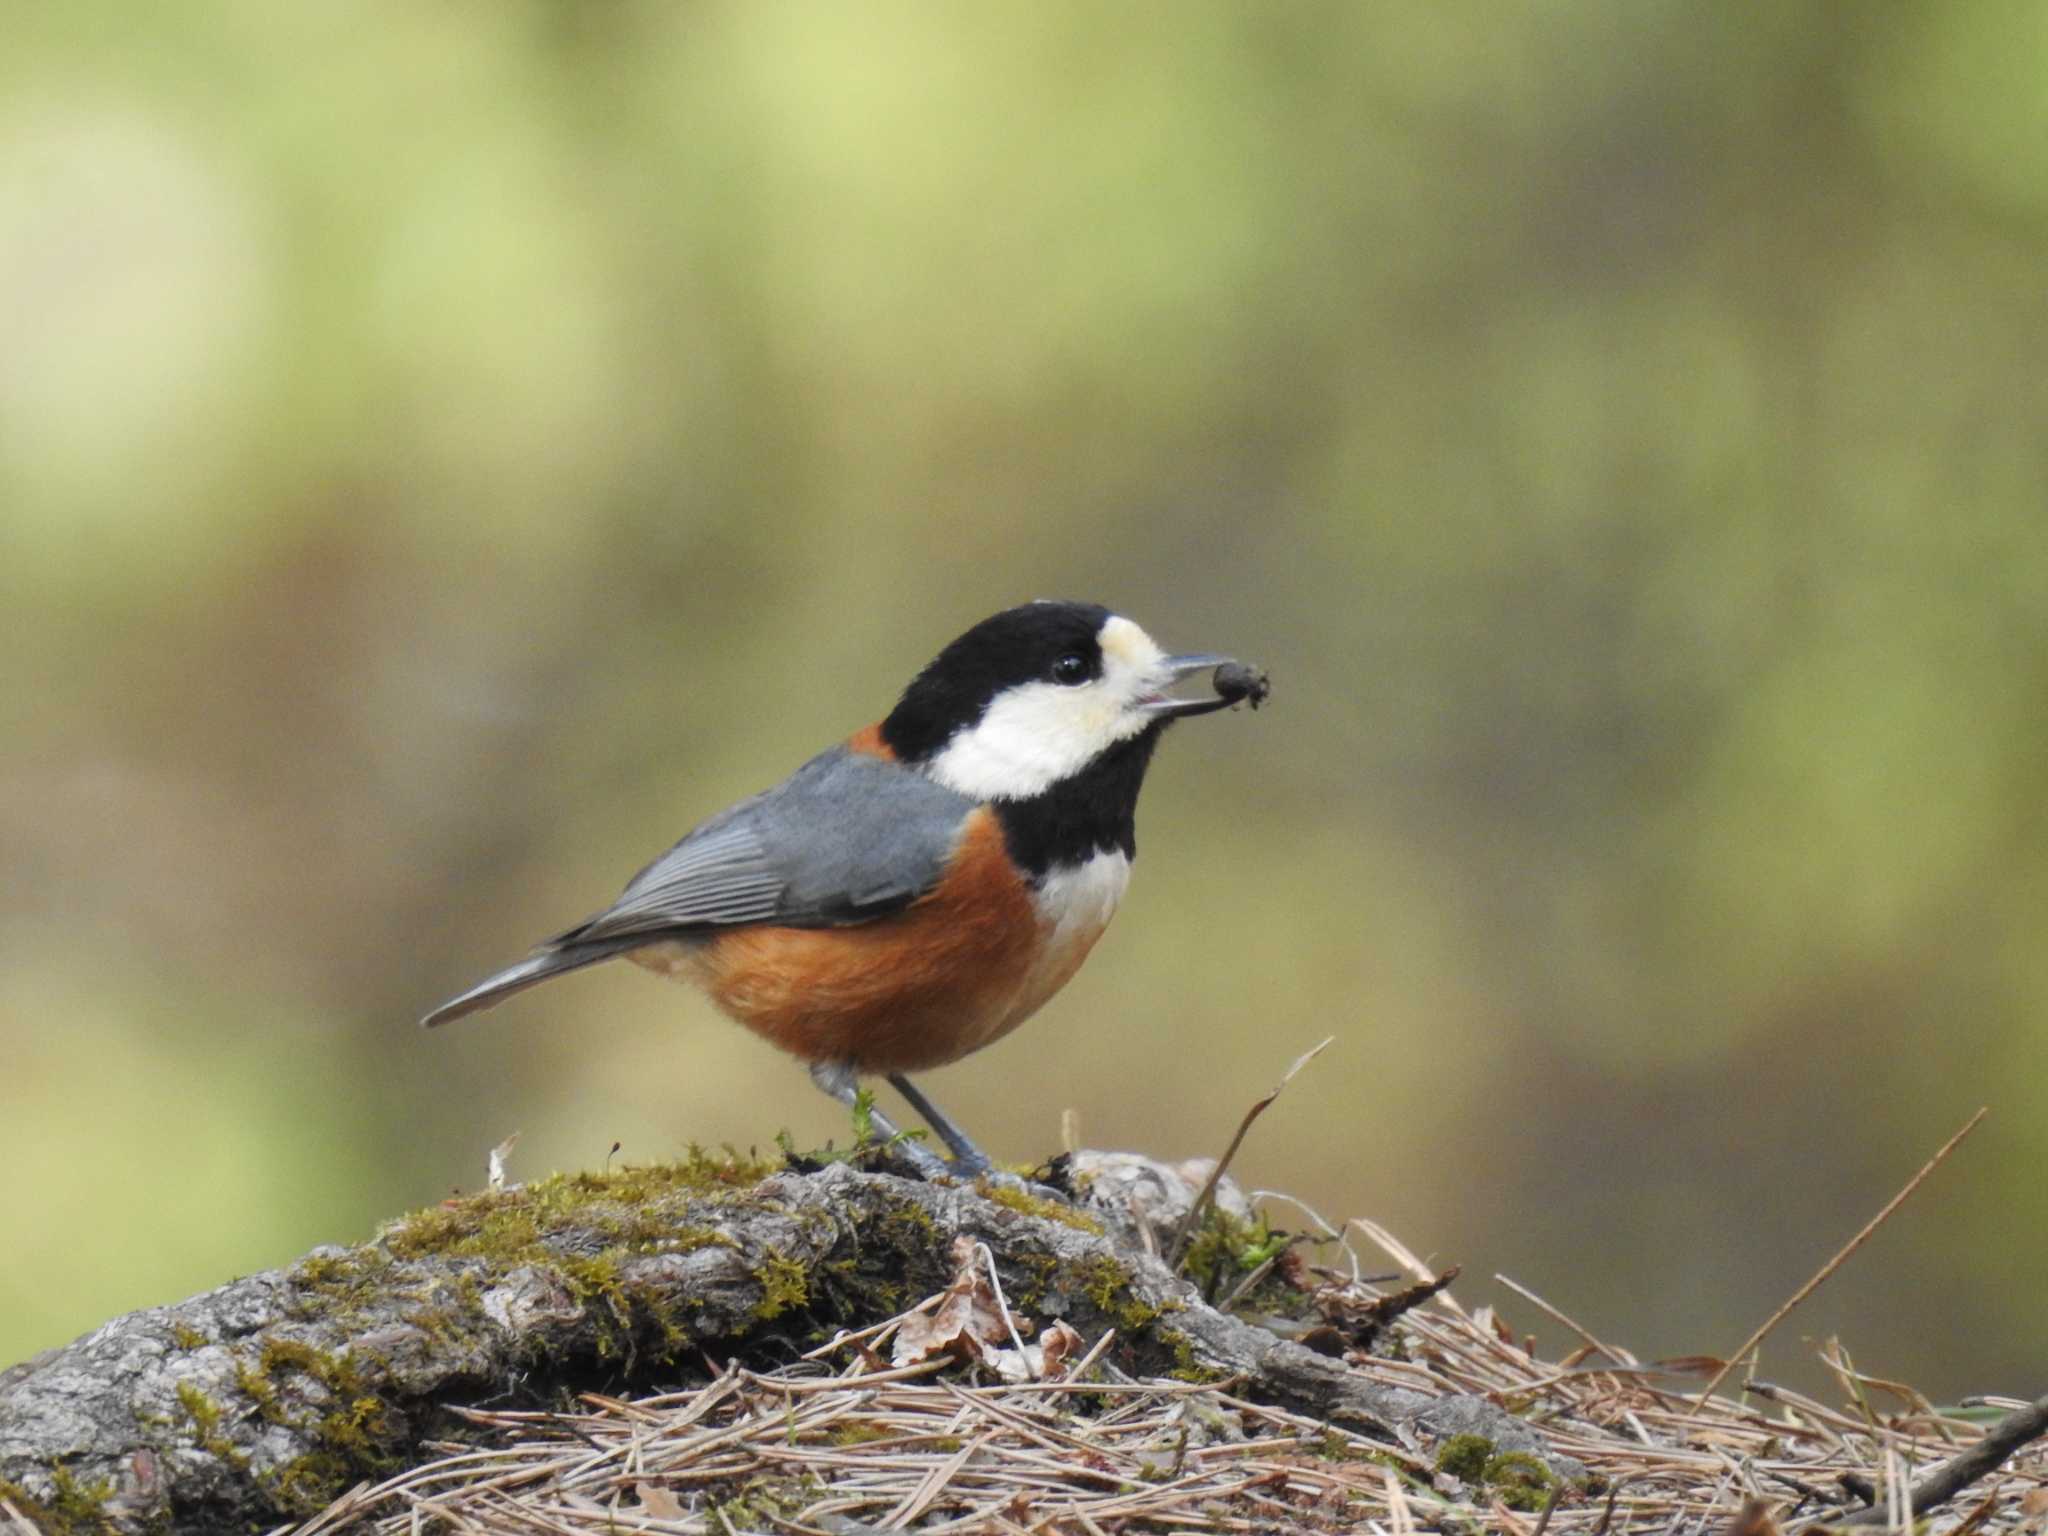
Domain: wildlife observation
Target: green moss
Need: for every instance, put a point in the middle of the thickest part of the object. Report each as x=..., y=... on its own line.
x=1012, y=1198
x=785, y=1285
x=186, y=1337
x=1334, y=1447
x=324, y=1269
x=1033, y=1276
x=1519, y=1480
x=279, y=1358
x=764, y=1503
x=354, y=1432
x=336, y=1373
x=79, y=1506
x=1098, y=1284
x=1185, y=1366
x=259, y=1390
x=450, y=1313
x=360, y=1429
x=910, y=1227
x=202, y=1410
x=595, y=1281
x=858, y=1432
x=310, y=1483
x=900, y=1258
x=629, y=1212
x=205, y=1415
x=1464, y=1457
x=865, y=1153
x=334, y=1287
x=624, y=1208
x=79, y=1501
x=1226, y=1249
x=1102, y=1280
x=71, y=1509
x=1106, y=1286
x=863, y=1115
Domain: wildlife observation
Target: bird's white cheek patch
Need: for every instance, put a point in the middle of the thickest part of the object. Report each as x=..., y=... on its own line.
x=1036, y=734
x=1031, y=738
x=1126, y=648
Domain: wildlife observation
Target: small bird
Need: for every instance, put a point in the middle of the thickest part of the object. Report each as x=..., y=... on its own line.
x=918, y=891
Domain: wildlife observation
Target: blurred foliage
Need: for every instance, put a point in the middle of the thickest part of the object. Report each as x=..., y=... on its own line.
x=447, y=450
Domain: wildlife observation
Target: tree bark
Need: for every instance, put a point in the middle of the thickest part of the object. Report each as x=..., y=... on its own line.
x=262, y=1400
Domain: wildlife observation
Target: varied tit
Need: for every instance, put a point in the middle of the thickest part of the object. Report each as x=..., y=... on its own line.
x=916, y=892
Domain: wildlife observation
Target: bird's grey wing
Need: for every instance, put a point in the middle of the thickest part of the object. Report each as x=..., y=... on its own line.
x=845, y=839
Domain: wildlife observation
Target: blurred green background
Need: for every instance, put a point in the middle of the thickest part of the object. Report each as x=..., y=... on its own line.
x=446, y=450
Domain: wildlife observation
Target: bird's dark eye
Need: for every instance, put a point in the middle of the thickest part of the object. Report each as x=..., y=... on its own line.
x=1070, y=669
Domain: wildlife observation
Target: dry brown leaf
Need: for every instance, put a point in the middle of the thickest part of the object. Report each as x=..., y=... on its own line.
x=1036, y=1362
x=968, y=1324
x=1058, y=1345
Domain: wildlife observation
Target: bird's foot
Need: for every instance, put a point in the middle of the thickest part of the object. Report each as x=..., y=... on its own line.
x=909, y=1151
x=928, y=1166
x=1002, y=1178
x=968, y=1162
x=872, y=1128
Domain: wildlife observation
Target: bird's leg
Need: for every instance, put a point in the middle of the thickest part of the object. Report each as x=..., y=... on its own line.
x=968, y=1159
x=837, y=1078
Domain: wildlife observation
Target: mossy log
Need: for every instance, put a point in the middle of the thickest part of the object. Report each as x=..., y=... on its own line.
x=262, y=1400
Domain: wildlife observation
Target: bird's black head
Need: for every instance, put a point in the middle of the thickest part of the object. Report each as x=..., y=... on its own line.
x=1058, y=645
x=1051, y=711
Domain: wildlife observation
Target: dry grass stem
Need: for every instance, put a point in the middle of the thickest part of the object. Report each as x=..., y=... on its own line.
x=1842, y=1256
x=1179, y=1247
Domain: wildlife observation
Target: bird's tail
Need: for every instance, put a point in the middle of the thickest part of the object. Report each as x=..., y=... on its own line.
x=531, y=971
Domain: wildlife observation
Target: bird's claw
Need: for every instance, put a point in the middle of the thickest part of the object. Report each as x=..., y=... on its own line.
x=1002, y=1178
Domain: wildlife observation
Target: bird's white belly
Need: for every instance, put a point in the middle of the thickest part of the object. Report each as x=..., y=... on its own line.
x=1081, y=898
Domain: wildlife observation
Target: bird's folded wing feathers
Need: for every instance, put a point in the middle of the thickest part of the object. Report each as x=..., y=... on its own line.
x=845, y=839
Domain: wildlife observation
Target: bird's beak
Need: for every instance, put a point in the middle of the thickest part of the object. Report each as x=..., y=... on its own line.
x=1171, y=671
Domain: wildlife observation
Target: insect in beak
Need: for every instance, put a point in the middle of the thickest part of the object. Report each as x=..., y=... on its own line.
x=1234, y=681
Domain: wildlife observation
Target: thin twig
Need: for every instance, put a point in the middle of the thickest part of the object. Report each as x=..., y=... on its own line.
x=995, y=1282
x=1617, y=1356
x=1838, y=1260
x=1243, y=1286
x=1607, y=1514
x=1986, y=1456
x=1193, y=1219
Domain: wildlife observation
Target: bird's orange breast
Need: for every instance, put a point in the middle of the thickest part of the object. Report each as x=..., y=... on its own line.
x=958, y=968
